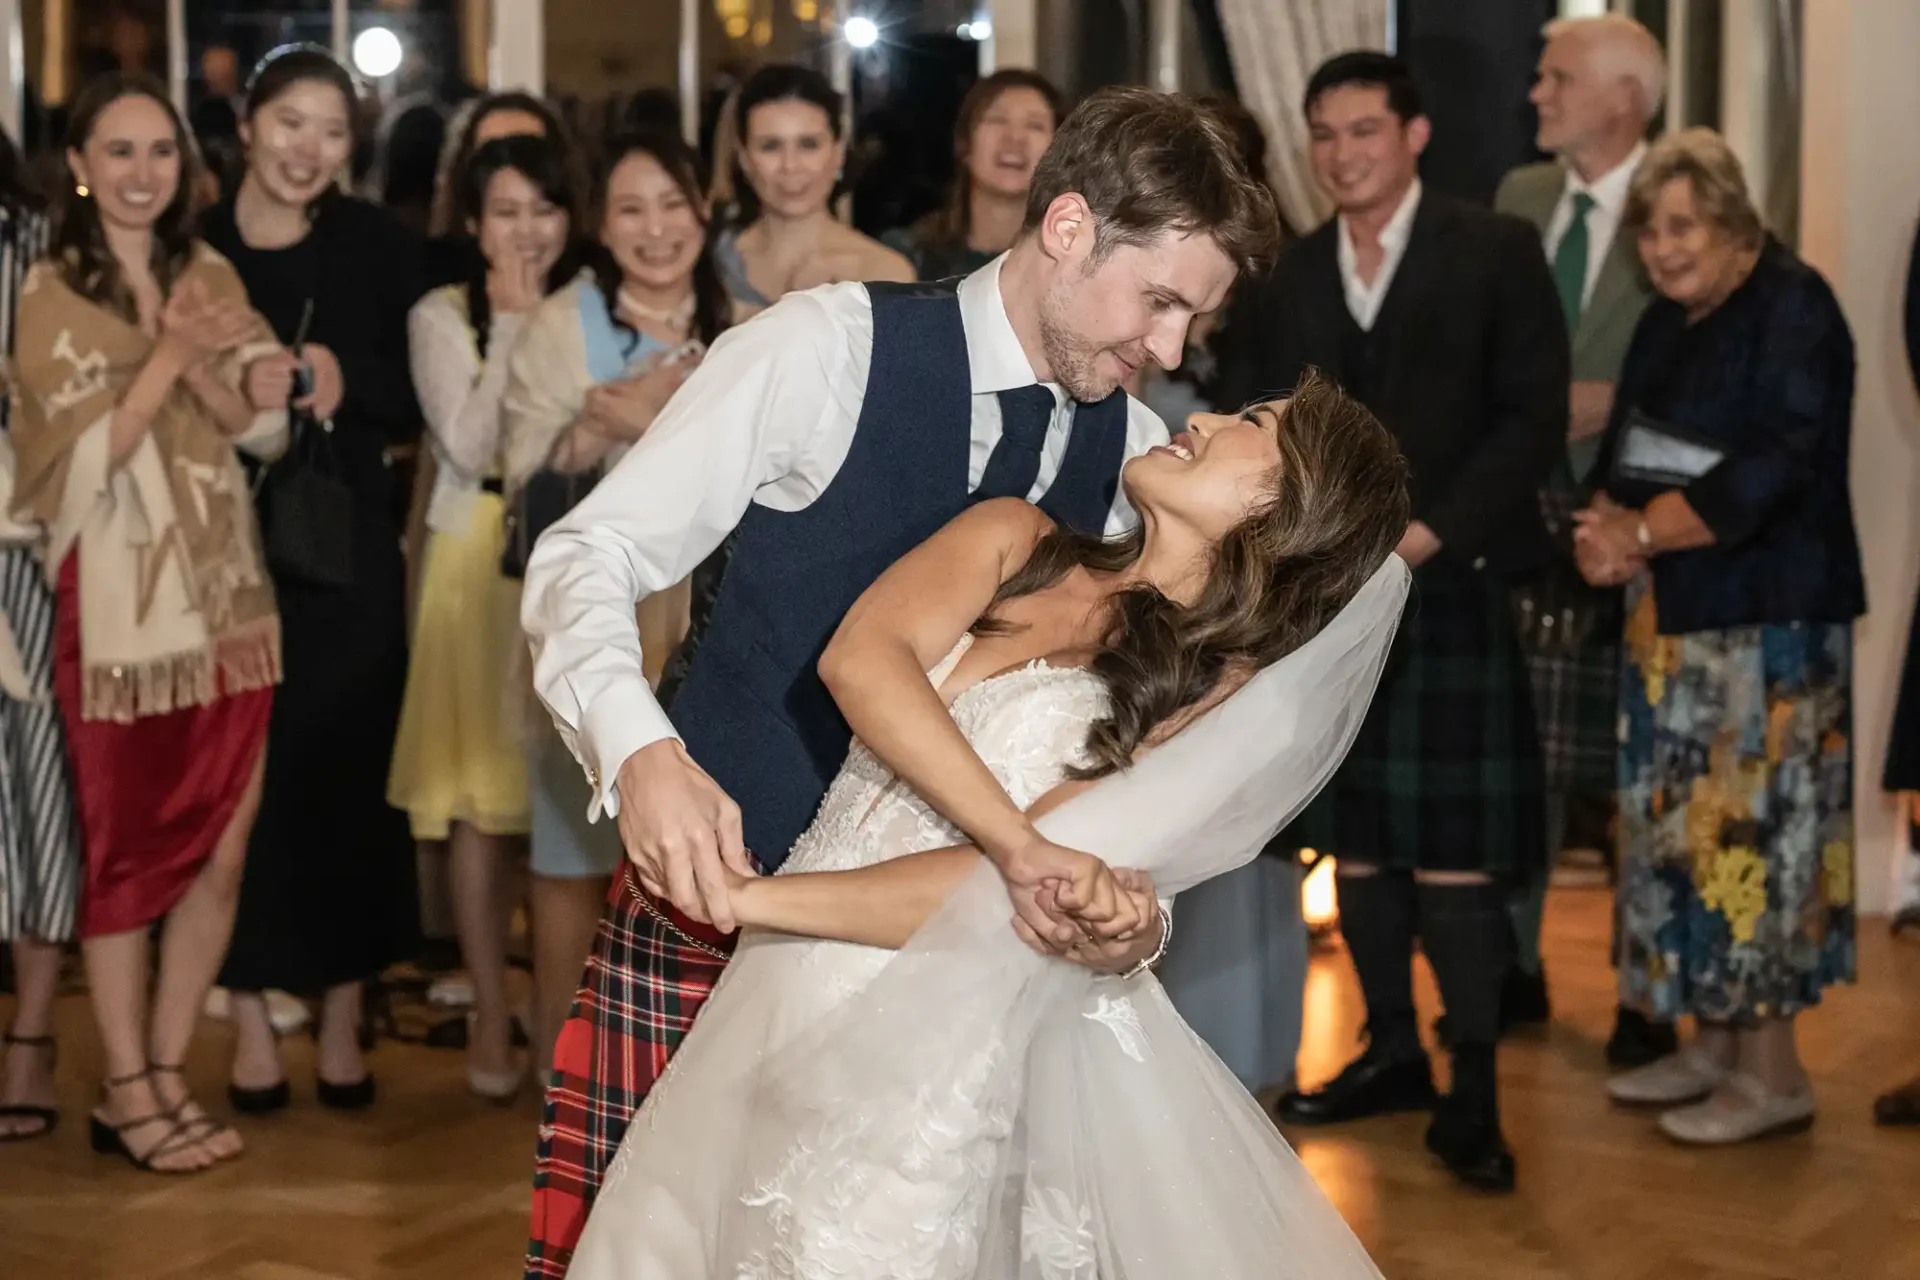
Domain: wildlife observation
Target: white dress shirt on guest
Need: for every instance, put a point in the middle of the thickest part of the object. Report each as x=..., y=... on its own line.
x=1364, y=297
x=768, y=418
x=1609, y=192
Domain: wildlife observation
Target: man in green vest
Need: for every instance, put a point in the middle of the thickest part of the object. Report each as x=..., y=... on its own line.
x=1599, y=88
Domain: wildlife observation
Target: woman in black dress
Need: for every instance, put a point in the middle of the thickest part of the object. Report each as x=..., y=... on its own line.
x=328, y=899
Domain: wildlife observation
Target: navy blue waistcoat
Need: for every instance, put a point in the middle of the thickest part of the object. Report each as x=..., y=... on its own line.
x=752, y=709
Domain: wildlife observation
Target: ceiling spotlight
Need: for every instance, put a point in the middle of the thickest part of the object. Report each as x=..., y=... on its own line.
x=980, y=29
x=376, y=52
x=861, y=33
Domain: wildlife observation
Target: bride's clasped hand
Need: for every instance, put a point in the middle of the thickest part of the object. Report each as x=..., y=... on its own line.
x=1092, y=906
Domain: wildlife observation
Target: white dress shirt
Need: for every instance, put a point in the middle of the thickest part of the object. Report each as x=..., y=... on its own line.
x=768, y=418
x=1364, y=297
x=1609, y=193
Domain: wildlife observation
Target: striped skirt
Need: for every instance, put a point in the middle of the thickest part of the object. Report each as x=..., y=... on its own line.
x=41, y=865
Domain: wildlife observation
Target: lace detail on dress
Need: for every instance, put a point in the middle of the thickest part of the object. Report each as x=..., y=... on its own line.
x=899, y=1193
x=1121, y=1018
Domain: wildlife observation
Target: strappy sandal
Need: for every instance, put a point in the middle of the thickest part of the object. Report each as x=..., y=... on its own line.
x=203, y=1125
x=48, y=1117
x=111, y=1139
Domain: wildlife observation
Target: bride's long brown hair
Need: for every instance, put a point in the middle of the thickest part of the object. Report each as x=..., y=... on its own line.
x=1338, y=507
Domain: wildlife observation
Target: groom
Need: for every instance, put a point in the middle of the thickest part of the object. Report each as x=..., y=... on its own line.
x=830, y=436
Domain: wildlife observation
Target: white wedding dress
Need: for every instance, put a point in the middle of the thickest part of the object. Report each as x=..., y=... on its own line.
x=964, y=1109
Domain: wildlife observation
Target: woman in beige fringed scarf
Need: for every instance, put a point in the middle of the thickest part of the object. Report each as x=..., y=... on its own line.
x=134, y=345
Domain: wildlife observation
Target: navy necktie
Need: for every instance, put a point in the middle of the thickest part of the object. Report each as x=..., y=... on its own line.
x=1014, y=465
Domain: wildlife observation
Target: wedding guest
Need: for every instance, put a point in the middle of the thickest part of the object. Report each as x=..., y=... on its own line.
x=41, y=861
x=1006, y=121
x=1901, y=1105
x=788, y=166
x=452, y=256
x=1723, y=505
x=1438, y=808
x=459, y=768
x=328, y=900
x=133, y=472
x=586, y=380
x=1599, y=88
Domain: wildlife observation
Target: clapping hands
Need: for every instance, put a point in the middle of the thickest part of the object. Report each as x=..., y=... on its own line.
x=204, y=327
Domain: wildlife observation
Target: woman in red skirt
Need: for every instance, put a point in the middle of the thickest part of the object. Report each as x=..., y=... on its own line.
x=139, y=366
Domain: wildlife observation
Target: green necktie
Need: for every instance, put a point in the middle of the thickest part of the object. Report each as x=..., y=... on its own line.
x=1570, y=260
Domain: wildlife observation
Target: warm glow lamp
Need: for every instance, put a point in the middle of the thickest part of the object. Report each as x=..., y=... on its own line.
x=1319, y=904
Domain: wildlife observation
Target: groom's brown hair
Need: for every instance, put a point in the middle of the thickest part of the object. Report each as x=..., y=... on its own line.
x=1149, y=163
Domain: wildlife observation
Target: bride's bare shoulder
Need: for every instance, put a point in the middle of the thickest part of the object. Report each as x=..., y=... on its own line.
x=1010, y=523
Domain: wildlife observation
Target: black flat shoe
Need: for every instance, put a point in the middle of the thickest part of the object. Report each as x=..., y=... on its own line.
x=357, y=1096
x=1370, y=1086
x=1638, y=1040
x=260, y=1102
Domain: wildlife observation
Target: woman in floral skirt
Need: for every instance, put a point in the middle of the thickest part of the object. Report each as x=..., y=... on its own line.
x=1726, y=511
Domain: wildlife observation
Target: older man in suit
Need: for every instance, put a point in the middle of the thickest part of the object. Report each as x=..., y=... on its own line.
x=1441, y=317
x=1599, y=87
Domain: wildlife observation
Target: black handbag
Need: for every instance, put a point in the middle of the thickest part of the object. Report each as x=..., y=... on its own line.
x=306, y=508
x=538, y=505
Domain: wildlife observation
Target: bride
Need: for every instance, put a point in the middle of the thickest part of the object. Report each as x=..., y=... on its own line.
x=886, y=1083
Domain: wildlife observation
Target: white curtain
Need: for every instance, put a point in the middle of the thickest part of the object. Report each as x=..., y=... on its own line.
x=1275, y=46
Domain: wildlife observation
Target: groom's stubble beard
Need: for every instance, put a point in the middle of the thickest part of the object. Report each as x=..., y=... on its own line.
x=1071, y=358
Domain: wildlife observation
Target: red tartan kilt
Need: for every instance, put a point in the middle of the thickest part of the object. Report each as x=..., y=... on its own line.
x=643, y=987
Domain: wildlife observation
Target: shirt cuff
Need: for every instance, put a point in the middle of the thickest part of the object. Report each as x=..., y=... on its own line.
x=614, y=725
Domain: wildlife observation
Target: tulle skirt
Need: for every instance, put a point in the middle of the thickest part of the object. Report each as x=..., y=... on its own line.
x=1059, y=1127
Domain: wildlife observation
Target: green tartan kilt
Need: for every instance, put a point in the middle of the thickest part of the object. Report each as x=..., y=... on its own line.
x=1446, y=774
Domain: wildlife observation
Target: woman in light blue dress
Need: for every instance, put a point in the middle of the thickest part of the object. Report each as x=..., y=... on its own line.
x=598, y=360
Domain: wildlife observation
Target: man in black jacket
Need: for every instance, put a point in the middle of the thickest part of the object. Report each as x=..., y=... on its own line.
x=1443, y=318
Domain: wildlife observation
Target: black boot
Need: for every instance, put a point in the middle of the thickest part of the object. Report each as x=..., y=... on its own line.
x=1463, y=928
x=1465, y=1132
x=1377, y=921
x=1638, y=1040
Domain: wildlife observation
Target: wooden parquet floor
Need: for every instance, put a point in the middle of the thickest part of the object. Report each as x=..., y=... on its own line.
x=431, y=1185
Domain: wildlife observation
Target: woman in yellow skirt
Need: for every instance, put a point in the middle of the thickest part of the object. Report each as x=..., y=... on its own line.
x=459, y=761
